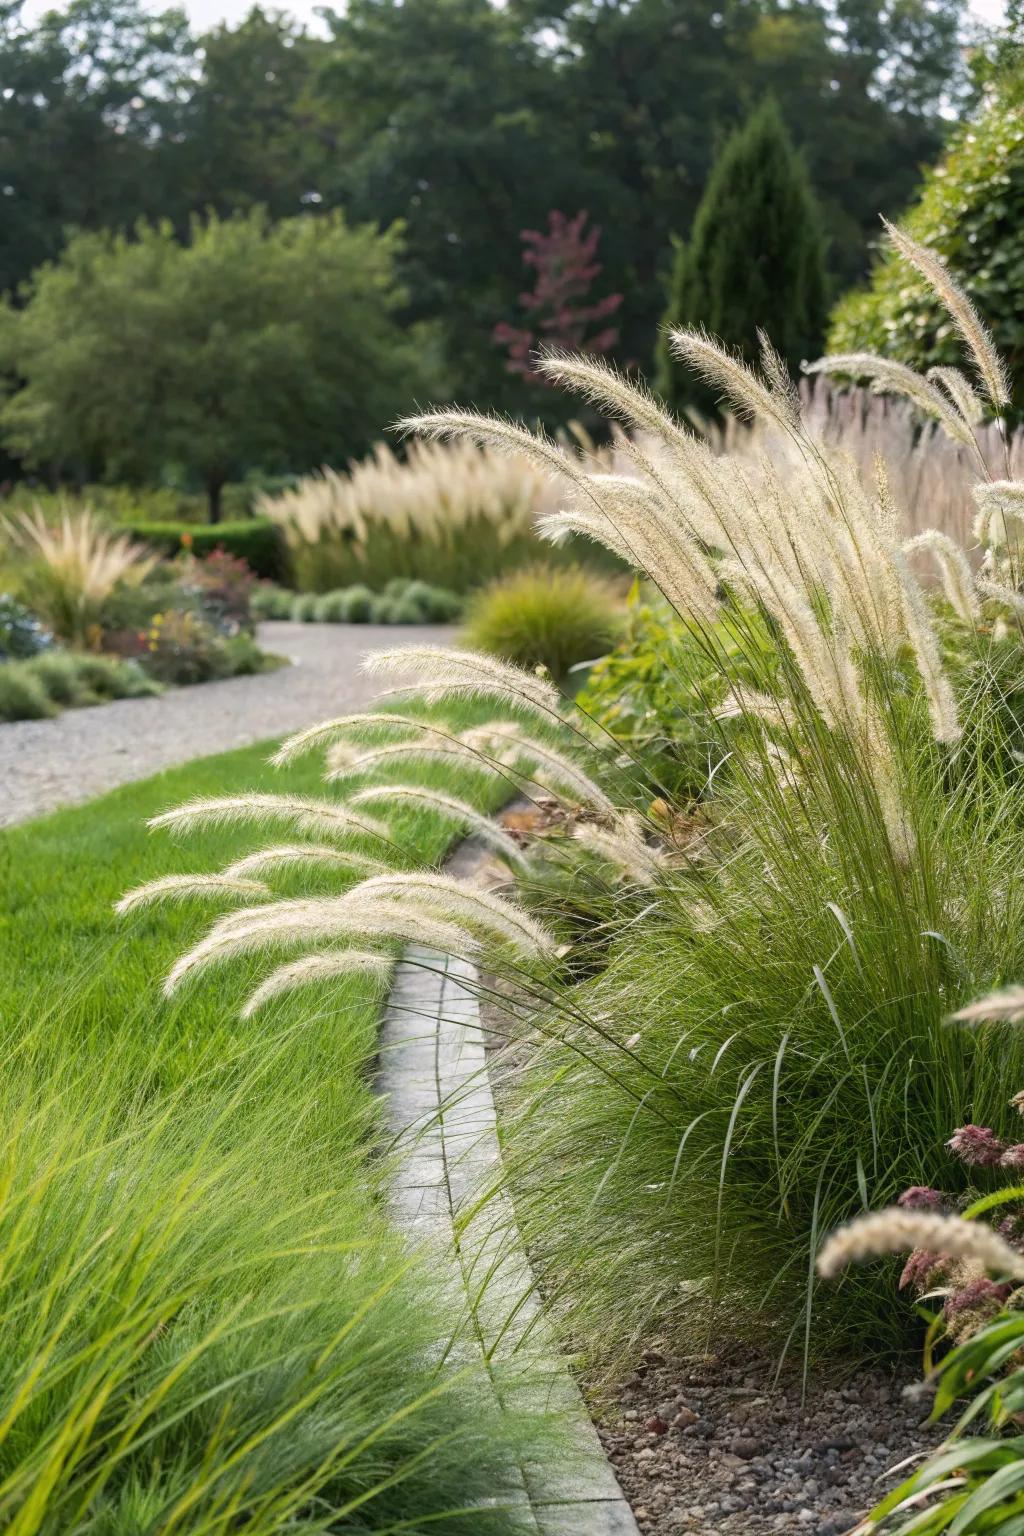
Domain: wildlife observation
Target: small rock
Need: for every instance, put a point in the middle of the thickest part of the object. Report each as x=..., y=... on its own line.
x=684, y=1417
x=657, y=1425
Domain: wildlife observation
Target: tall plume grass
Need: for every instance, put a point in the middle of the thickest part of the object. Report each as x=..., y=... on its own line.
x=455, y=515
x=931, y=476
x=758, y=1046
x=778, y=986
x=73, y=566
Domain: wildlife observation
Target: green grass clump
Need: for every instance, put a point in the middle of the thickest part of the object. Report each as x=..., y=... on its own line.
x=206, y=1324
x=36, y=689
x=22, y=694
x=545, y=616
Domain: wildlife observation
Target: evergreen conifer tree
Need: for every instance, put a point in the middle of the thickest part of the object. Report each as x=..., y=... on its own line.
x=755, y=257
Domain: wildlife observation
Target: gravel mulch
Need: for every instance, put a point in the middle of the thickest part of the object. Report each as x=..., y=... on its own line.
x=45, y=764
x=702, y=1445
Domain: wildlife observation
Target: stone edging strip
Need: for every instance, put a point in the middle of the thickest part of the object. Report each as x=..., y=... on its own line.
x=440, y=1111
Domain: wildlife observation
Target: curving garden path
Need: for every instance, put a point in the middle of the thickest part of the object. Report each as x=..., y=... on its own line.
x=45, y=764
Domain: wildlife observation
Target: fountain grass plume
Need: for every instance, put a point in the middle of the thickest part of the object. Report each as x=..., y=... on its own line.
x=257, y=929
x=897, y=1230
x=989, y=365
x=344, y=763
x=317, y=968
x=184, y=887
x=306, y=813
x=954, y=570
x=281, y=855
x=958, y=388
x=558, y=770
x=443, y=671
x=323, y=733
x=443, y=892
x=494, y=432
x=605, y=387
x=888, y=376
x=448, y=806
x=1006, y=1006
x=623, y=845
x=746, y=391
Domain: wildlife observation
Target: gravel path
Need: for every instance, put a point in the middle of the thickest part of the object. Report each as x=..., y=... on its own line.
x=84, y=752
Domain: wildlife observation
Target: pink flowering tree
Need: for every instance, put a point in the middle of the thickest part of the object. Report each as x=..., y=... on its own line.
x=558, y=308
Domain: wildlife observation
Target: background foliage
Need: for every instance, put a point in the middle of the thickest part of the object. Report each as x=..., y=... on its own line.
x=972, y=212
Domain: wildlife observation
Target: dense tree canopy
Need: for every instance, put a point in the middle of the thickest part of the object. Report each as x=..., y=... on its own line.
x=252, y=343
x=466, y=121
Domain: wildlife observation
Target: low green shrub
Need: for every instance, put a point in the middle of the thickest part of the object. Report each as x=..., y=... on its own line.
x=545, y=616
x=331, y=608
x=257, y=541
x=401, y=602
x=358, y=604
x=271, y=602
x=304, y=607
x=111, y=677
x=37, y=688
x=22, y=695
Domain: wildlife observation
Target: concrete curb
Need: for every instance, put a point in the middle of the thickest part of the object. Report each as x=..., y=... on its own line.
x=441, y=1112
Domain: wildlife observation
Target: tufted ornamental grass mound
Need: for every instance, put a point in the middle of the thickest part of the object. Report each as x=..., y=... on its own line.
x=546, y=616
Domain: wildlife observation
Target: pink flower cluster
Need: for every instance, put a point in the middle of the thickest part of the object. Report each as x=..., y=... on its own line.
x=979, y=1147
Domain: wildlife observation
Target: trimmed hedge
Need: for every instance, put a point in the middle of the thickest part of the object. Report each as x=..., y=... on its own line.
x=257, y=541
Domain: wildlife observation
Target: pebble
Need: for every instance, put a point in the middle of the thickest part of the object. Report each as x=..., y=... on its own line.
x=705, y=1447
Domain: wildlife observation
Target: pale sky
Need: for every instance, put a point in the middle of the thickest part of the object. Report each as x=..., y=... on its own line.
x=207, y=13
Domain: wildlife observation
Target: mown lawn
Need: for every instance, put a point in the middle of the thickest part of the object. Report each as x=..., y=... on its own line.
x=205, y=1323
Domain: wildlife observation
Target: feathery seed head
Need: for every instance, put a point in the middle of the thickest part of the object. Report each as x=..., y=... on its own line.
x=465, y=903
x=1003, y=1007
x=283, y=854
x=895, y=1231
x=551, y=769
x=305, y=921
x=317, y=968
x=740, y=385
x=888, y=376
x=961, y=311
x=624, y=846
x=323, y=733
x=440, y=671
x=308, y=815
x=445, y=805
x=183, y=887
